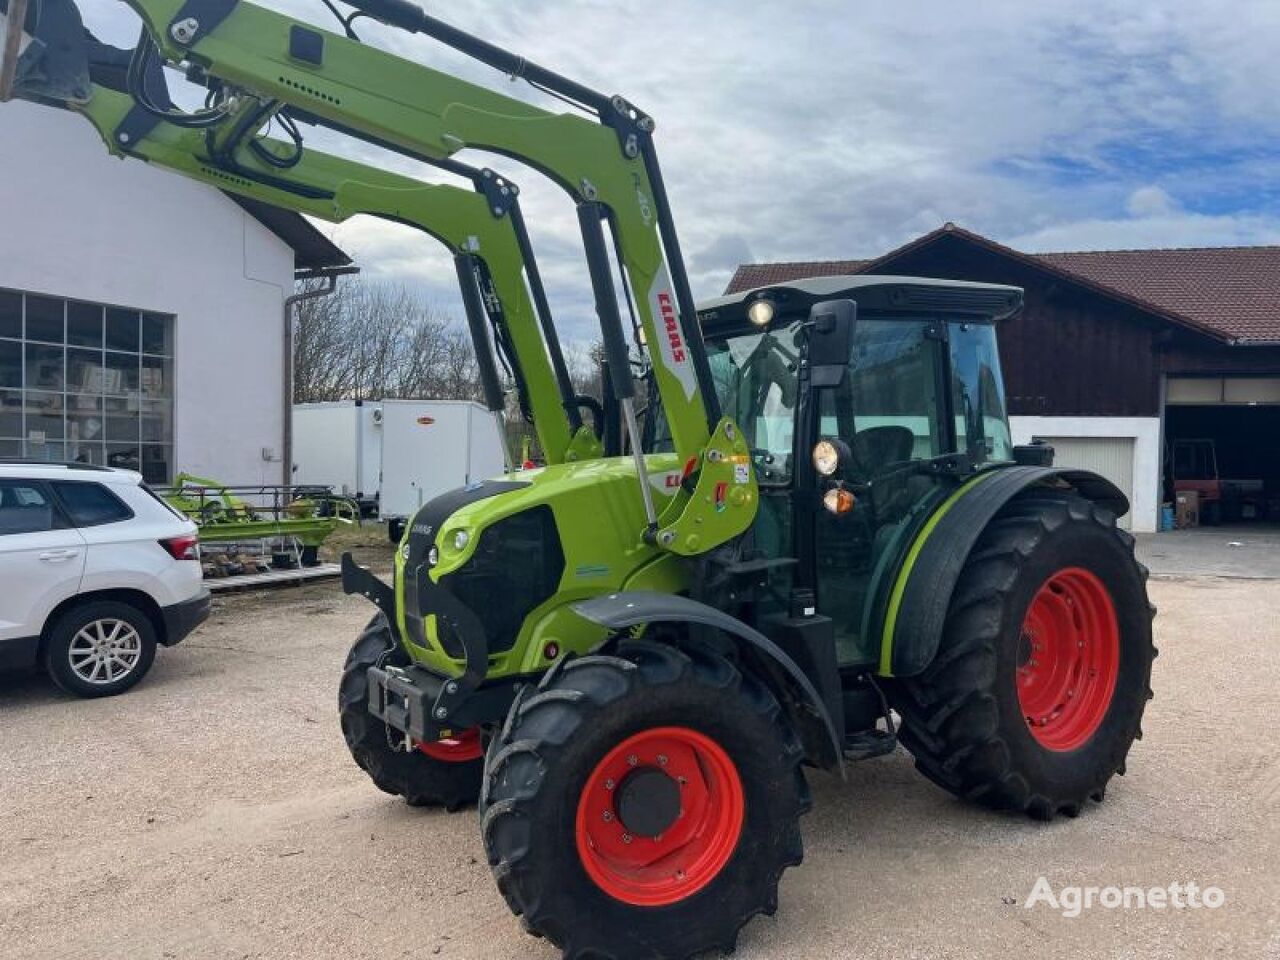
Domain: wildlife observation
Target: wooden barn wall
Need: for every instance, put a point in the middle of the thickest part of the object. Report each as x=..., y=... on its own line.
x=1070, y=352
x=1183, y=356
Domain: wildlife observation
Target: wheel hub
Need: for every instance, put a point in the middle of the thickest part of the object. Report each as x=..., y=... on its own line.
x=1068, y=659
x=462, y=747
x=660, y=816
x=104, y=651
x=648, y=802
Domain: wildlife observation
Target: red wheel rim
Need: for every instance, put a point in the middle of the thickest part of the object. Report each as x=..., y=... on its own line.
x=462, y=748
x=1068, y=659
x=654, y=871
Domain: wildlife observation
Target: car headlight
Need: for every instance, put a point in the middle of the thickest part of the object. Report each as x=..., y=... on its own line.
x=826, y=458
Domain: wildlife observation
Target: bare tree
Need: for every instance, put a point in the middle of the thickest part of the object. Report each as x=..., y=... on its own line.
x=370, y=341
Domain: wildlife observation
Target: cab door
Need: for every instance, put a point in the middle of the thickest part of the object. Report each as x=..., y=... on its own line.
x=41, y=562
x=892, y=408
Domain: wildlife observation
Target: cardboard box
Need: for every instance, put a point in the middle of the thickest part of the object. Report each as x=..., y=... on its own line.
x=1187, y=508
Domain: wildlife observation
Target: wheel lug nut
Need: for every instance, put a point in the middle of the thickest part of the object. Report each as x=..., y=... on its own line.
x=608, y=784
x=662, y=760
x=608, y=817
x=626, y=838
x=632, y=760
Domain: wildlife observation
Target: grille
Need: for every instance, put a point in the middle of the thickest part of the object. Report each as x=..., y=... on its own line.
x=516, y=565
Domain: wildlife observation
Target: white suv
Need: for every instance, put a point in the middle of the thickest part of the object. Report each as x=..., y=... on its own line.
x=95, y=570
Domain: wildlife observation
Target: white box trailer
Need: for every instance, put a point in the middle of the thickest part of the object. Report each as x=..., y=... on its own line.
x=395, y=455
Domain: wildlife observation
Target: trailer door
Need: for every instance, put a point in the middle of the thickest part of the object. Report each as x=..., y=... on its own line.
x=424, y=453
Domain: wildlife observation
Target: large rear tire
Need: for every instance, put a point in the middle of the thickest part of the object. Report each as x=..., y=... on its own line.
x=446, y=773
x=1044, y=669
x=643, y=805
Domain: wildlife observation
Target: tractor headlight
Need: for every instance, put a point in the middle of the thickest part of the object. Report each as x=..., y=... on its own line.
x=826, y=458
x=460, y=540
x=760, y=313
x=433, y=555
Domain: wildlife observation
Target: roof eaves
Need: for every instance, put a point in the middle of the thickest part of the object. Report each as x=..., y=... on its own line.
x=951, y=229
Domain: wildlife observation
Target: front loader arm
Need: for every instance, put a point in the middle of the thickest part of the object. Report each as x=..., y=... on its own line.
x=481, y=236
x=609, y=167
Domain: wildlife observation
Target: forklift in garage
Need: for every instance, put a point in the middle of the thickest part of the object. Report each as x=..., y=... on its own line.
x=824, y=545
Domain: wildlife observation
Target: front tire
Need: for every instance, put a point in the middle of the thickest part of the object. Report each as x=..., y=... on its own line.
x=1044, y=669
x=100, y=649
x=643, y=805
x=446, y=773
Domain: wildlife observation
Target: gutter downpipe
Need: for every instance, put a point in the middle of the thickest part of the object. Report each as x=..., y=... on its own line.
x=331, y=275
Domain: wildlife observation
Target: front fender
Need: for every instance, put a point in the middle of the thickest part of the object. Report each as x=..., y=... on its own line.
x=618, y=611
x=922, y=591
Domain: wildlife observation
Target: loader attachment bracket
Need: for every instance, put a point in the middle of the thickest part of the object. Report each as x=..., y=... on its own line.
x=45, y=52
x=723, y=501
x=358, y=579
x=453, y=615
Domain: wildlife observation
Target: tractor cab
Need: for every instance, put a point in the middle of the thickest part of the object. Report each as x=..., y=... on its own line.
x=865, y=401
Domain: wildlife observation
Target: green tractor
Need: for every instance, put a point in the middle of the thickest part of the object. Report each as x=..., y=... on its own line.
x=816, y=540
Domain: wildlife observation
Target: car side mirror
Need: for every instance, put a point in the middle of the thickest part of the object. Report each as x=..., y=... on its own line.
x=831, y=325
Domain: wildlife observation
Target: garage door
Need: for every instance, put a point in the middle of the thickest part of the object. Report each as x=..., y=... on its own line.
x=1111, y=457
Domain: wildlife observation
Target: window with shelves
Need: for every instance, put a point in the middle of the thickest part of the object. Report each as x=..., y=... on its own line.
x=86, y=382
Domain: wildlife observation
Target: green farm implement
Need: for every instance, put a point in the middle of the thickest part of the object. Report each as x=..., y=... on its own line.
x=235, y=514
x=814, y=543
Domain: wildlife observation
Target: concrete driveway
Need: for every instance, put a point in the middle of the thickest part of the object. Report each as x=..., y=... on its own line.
x=214, y=813
x=1249, y=551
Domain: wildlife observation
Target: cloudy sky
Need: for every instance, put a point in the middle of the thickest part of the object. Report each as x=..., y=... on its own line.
x=816, y=130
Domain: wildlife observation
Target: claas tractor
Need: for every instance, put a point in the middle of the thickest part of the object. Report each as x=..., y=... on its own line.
x=813, y=541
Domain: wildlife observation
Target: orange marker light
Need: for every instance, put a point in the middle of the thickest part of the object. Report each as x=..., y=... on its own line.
x=838, y=500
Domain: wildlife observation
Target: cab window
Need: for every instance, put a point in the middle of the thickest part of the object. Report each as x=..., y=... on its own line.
x=756, y=377
x=982, y=424
x=887, y=406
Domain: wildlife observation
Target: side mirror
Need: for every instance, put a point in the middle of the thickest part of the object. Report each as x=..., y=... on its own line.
x=831, y=325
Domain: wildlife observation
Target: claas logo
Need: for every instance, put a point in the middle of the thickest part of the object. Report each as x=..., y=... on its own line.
x=672, y=327
x=426, y=421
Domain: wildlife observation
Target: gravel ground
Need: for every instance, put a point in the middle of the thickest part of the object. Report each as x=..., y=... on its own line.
x=214, y=813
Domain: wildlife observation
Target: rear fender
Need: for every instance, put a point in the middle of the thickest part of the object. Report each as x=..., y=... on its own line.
x=922, y=591
x=794, y=690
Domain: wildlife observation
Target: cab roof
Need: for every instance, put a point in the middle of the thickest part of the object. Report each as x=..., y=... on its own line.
x=993, y=300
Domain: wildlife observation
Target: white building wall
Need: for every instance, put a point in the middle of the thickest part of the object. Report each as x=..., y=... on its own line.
x=79, y=223
x=1145, y=433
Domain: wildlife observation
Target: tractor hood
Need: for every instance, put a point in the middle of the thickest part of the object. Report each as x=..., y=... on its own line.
x=507, y=546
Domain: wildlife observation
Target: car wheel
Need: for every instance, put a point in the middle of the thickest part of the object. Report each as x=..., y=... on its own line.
x=100, y=649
